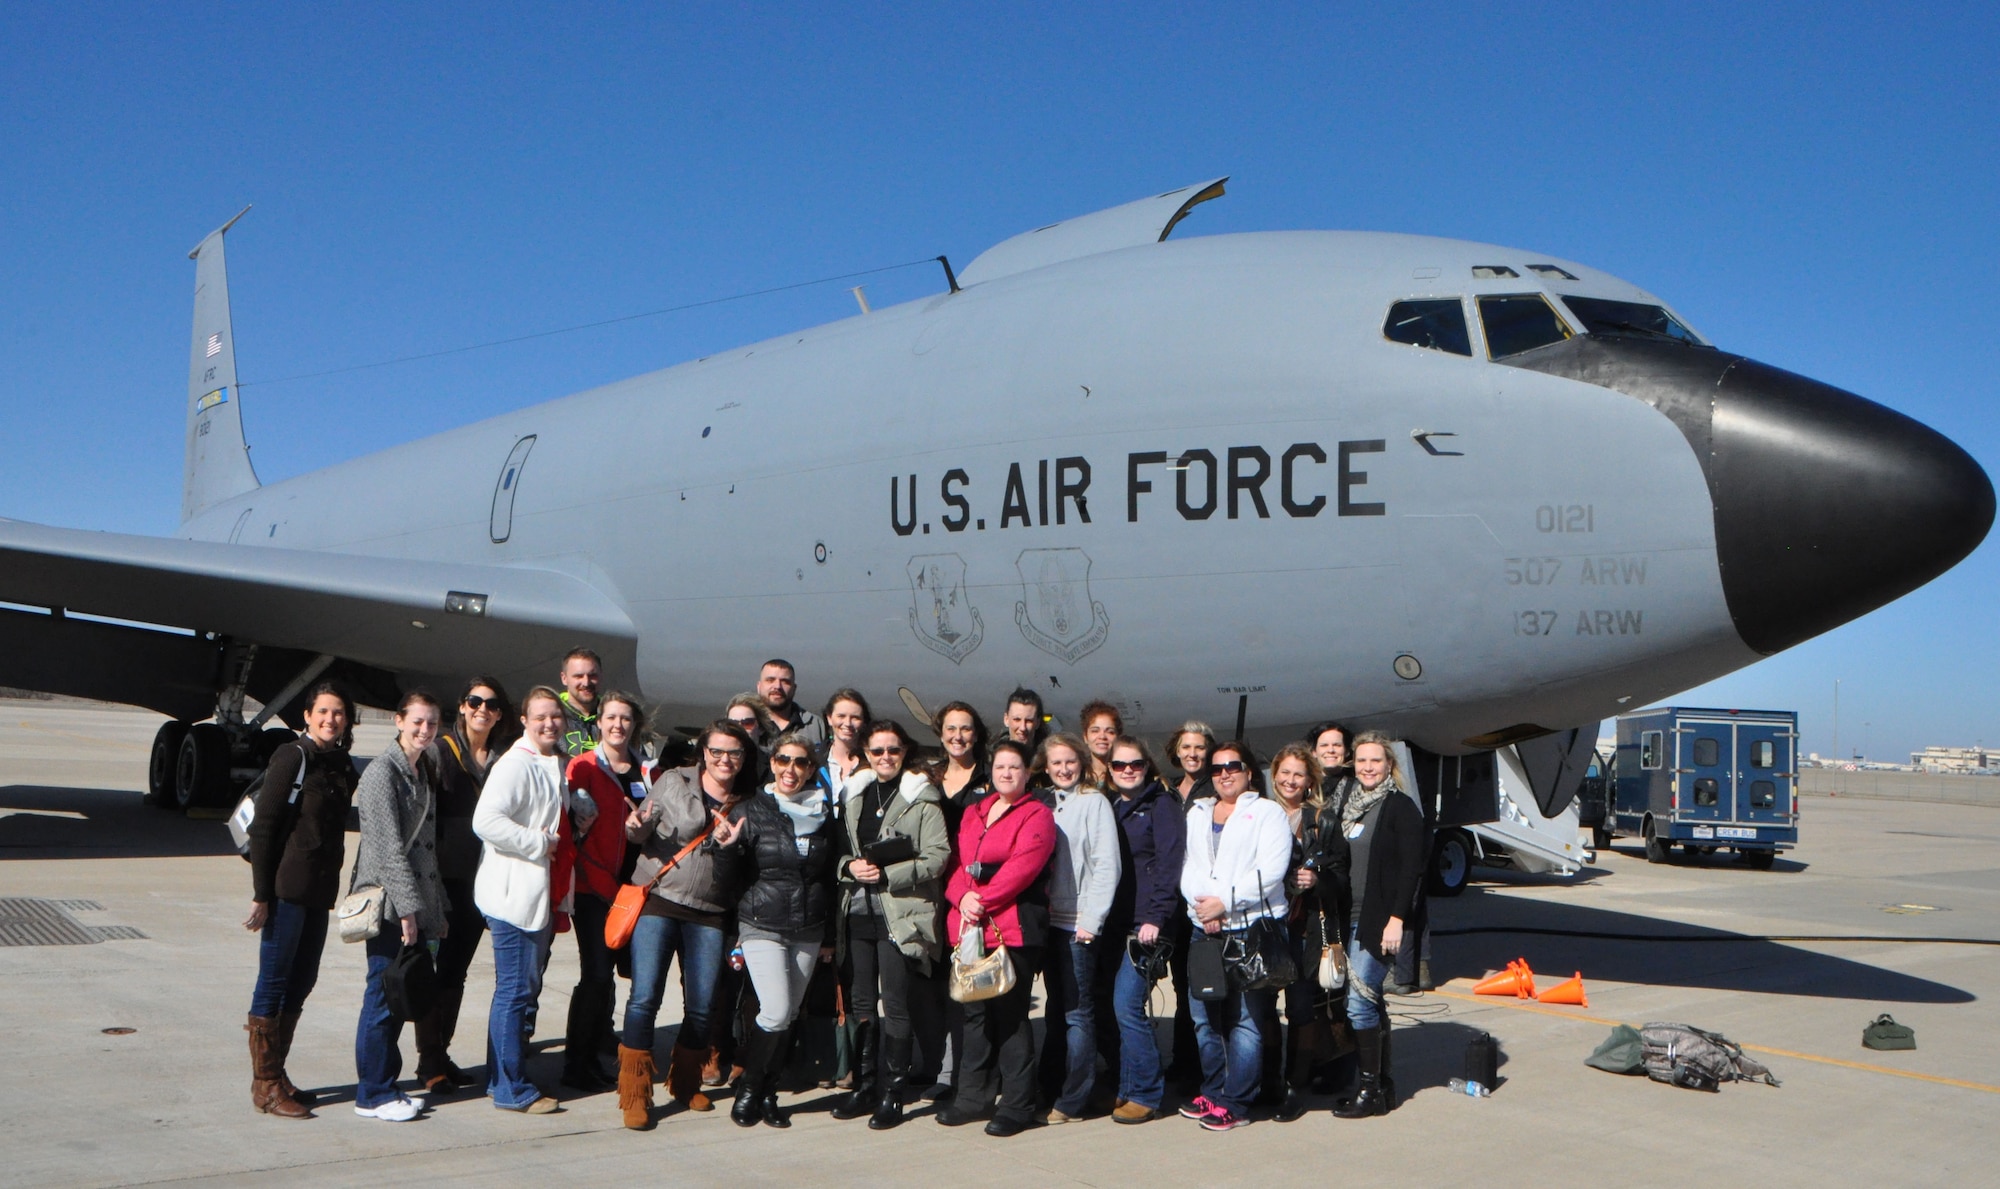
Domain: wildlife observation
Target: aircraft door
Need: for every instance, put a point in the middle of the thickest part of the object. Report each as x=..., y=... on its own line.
x=500, y=525
x=1763, y=773
x=1707, y=772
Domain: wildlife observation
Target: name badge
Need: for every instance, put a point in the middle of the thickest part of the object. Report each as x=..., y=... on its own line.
x=638, y=790
x=1354, y=831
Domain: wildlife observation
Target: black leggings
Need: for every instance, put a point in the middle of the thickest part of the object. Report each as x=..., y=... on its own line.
x=872, y=960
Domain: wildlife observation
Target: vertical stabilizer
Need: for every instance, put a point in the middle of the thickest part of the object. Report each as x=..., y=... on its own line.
x=218, y=461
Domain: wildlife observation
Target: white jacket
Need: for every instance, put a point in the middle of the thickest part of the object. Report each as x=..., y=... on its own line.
x=1245, y=866
x=517, y=818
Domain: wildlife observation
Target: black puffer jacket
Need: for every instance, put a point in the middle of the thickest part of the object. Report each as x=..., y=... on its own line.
x=785, y=891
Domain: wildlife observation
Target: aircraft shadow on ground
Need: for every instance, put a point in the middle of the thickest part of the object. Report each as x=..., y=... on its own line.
x=41, y=822
x=1593, y=941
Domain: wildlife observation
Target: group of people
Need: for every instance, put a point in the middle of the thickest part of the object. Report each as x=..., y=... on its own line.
x=780, y=850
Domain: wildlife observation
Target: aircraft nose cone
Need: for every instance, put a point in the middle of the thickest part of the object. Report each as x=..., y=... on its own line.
x=1828, y=505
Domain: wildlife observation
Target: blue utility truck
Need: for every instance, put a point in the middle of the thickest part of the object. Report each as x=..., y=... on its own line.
x=1707, y=779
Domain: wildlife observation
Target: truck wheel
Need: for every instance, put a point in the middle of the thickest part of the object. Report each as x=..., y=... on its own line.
x=1656, y=847
x=1451, y=863
x=201, y=777
x=160, y=765
x=1600, y=838
x=1760, y=860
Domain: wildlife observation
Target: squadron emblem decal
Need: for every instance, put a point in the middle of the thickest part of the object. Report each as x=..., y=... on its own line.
x=1056, y=612
x=942, y=617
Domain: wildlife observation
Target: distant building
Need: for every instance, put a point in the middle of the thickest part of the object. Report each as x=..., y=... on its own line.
x=1955, y=759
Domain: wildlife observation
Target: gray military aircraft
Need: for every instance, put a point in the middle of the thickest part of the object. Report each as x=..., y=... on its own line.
x=1467, y=494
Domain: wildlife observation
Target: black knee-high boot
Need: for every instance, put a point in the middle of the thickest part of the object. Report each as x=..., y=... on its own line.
x=756, y=1100
x=1367, y=1098
x=889, y=1087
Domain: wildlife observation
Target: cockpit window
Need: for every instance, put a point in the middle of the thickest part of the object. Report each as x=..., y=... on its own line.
x=1602, y=316
x=1520, y=323
x=1439, y=325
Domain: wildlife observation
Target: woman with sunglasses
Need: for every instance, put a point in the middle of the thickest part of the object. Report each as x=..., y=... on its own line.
x=604, y=784
x=1152, y=850
x=846, y=716
x=1384, y=830
x=1005, y=842
x=783, y=918
x=482, y=731
x=687, y=832
x=891, y=916
x=1239, y=846
x=1083, y=879
x=750, y=712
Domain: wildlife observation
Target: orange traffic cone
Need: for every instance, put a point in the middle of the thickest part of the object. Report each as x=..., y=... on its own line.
x=1570, y=992
x=1515, y=980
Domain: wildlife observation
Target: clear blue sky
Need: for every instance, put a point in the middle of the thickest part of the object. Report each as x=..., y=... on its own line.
x=1813, y=185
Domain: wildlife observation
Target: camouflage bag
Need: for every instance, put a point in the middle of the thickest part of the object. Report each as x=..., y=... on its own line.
x=1686, y=1056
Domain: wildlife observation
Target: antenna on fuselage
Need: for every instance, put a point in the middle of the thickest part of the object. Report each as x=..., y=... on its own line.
x=950, y=277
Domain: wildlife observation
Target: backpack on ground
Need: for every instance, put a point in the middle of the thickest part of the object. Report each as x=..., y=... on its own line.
x=1683, y=1055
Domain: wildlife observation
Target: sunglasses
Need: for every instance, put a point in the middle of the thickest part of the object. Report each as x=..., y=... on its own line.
x=885, y=751
x=748, y=724
x=784, y=761
x=475, y=702
x=1128, y=765
x=1230, y=766
x=719, y=754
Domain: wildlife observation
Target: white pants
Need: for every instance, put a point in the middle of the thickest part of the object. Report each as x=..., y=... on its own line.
x=780, y=971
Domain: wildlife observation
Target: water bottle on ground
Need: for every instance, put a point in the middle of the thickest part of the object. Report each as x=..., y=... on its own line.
x=1469, y=1089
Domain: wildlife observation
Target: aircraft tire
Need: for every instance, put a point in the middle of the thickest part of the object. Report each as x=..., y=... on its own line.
x=1657, y=848
x=1451, y=863
x=201, y=777
x=161, y=763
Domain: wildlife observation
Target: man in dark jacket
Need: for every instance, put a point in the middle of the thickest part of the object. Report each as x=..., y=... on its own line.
x=1152, y=842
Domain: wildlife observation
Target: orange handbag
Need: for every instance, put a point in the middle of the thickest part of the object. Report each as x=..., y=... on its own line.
x=624, y=914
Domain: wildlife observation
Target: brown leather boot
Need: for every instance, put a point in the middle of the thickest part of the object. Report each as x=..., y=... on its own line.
x=265, y=1071
x=636, y=1072
x=684, y=1078
x=288, y=1024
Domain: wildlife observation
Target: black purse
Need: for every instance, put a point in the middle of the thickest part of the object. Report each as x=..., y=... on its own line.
x=890, y=849
x=409, y=985
x=1208, y=969
x=1262, y=959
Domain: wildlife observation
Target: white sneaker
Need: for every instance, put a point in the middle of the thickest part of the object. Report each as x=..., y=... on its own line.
x=397, y=1110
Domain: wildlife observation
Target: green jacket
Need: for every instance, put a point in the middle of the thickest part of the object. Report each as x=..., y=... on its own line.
x=912, y=895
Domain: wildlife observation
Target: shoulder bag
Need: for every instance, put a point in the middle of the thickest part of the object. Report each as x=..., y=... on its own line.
x=1332, y=959
x=359, y=914
x=246, y=809
x=977, y=974
x=623, y=916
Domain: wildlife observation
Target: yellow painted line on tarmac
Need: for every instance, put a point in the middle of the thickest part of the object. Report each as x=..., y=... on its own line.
x=1531, y=1005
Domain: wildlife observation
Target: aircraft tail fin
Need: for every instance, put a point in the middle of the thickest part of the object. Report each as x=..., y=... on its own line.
x=218, y=461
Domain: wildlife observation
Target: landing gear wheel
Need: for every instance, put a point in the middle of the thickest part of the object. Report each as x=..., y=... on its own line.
x=201, y=777
x=1759, y=860
x=160, y=766
x=1451, y=863
x=1657, y=848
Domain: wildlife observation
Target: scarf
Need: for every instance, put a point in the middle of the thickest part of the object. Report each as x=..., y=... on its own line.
x=807, y=816
x=1361, y=800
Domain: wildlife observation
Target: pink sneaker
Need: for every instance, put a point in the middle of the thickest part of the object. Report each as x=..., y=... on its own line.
x=1222, y=1120
x=1200, y=1108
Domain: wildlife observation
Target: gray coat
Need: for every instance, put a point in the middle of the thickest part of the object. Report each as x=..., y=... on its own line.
x=398, y=850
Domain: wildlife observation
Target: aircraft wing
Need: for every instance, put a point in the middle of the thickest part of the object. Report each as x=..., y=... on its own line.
x=426, y=619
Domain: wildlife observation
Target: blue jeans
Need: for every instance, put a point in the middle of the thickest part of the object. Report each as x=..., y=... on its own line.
x=1069, y=1050
x=378, y=1058
x=1365, y=975
x=288, y=953
x=1139, y=1077
x=1232, y=1047
x=655, y=941
x=518, y=960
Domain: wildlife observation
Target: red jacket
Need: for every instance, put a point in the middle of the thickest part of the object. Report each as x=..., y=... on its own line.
x=600, y=861
x=1021, y=842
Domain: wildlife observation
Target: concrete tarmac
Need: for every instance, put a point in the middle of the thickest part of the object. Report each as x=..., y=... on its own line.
x=169, y=1100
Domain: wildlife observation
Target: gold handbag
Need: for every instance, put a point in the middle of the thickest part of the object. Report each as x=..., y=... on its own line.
x=976, y=974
